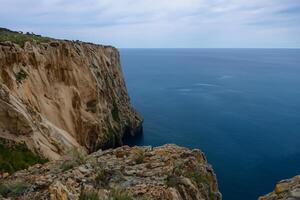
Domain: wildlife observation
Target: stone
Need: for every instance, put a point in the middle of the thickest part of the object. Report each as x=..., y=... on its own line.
x=106, y=173
x=281, y=187
x=83, y=169
x=4, y=175
x=295, y=193
x=58, y=191
x=288, y=189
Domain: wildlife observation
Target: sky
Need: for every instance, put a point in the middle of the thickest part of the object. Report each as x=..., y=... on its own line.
x=160, y=23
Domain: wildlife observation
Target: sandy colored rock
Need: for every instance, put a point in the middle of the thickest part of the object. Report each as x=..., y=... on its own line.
x=177, y=174
x=59, y=95
x=285, y=190
x=281, y=187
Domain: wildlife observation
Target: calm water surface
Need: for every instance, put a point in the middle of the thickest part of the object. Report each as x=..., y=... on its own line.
x=240, y=106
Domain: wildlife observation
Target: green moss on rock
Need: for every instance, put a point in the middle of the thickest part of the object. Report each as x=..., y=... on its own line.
x=17, y=157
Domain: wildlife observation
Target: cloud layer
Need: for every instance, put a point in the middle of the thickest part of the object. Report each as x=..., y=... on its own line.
x=160, y=23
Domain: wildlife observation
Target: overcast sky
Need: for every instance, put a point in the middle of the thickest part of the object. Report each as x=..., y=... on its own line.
x=160, y=23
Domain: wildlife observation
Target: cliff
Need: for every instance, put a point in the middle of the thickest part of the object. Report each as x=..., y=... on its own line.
x=67, y=102
x=285, y=190
x=57, y=95
x=162, y=173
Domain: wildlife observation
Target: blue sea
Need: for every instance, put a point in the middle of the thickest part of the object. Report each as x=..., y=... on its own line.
x=241, y=107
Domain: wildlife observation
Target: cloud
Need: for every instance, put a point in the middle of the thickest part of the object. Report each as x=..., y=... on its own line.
x=160, y=23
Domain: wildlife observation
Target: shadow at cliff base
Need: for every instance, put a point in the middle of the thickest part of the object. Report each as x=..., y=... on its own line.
x=136, y=138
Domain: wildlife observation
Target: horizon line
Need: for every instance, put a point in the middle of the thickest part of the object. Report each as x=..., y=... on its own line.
x=294, y=48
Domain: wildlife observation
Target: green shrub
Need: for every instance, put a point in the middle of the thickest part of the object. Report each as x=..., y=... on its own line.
x=102, y=177
x=139, y=156
x=74, y=157
x=119, y=195
x=17, y=157
x=89, y=195
x=13, y=189
x=67, y=165
x=21, y=75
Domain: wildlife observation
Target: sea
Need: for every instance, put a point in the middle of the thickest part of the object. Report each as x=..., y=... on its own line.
x=241, y=107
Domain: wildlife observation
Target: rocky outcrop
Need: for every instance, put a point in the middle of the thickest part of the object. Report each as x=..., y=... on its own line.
x=58, y=95
x=285, y=190
x=162, y=173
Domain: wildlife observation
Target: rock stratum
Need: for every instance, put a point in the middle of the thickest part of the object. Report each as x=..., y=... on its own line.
x=56, y=95
x=161, y=173
x=288, y=189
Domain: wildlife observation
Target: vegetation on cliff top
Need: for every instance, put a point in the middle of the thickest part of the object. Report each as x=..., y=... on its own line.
x=19, y=37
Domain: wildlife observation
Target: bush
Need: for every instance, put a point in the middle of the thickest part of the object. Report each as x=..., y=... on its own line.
x=67, y=165
x=102, y=177
x=13, y=189
x=21, y=75
x=119, y=195
x=74, y=157
x=89, y=195
x=139, y=156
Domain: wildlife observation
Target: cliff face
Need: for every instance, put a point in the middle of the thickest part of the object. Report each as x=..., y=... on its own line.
x=62, y=94
x=285, y=190
x=162, y=173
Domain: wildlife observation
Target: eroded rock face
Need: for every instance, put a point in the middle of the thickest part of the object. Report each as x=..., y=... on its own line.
x=162, y=173
x=63, y=94
x=285, y=190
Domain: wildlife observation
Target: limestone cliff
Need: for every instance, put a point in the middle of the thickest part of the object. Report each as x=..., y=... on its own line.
x=55, y=95
x=285, y=190
x=162, y=173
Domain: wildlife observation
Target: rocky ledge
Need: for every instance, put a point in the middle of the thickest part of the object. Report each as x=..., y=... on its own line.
x=167, y=172
x=285, y=190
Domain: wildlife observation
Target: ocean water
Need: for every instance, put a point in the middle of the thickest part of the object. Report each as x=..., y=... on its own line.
x=240, y=106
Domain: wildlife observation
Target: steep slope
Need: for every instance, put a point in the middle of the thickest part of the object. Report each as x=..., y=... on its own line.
x=162, y=173
x=56, y=95
x=285, y=190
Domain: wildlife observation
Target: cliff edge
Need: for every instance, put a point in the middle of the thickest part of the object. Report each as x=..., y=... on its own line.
x=161, y=173
x=56, y=95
